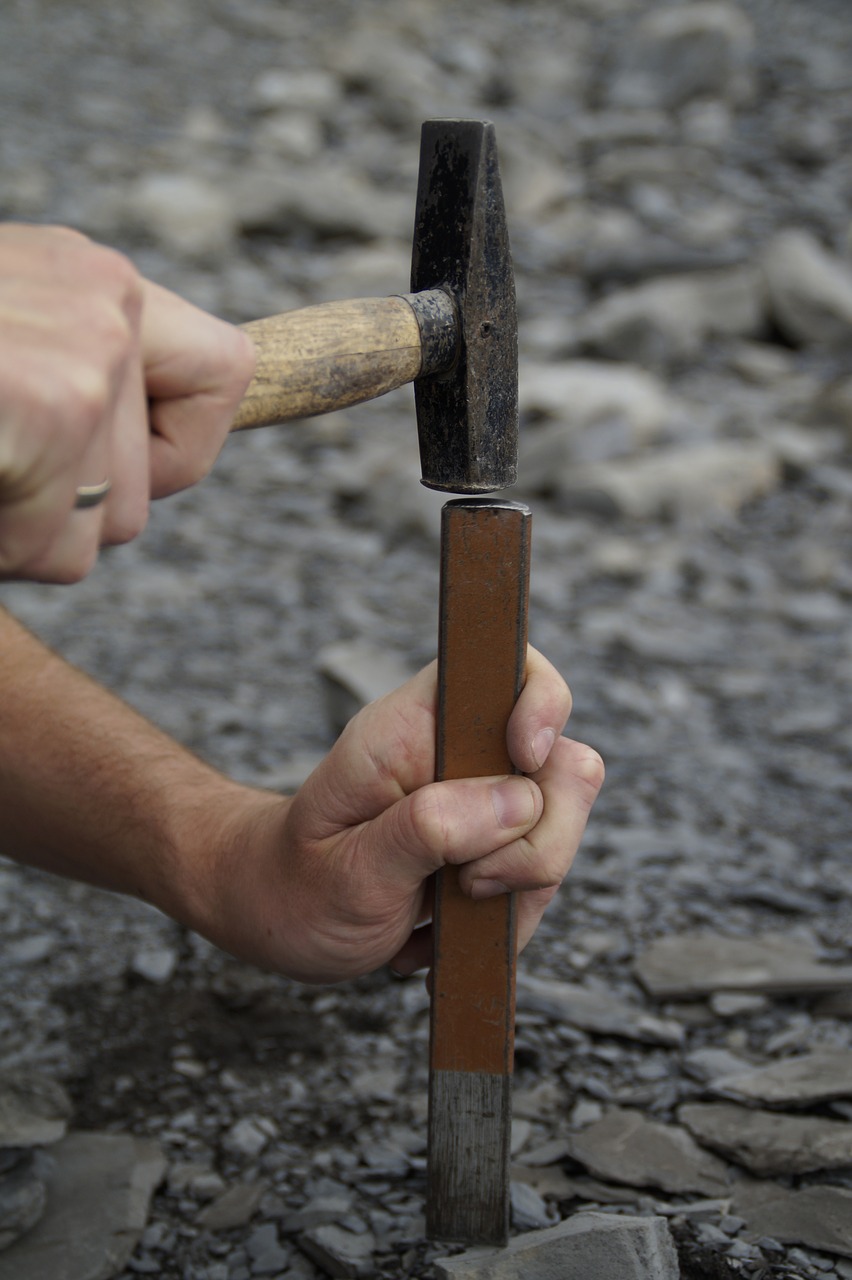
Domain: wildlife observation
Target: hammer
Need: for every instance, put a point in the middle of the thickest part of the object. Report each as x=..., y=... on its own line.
x=455, y=337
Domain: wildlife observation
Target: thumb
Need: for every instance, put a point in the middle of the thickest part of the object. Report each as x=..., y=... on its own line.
x=450, y=823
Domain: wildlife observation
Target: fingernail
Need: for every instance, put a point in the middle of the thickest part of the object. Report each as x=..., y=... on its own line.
x=542, y=745
x=487, y=889
x=513, y=802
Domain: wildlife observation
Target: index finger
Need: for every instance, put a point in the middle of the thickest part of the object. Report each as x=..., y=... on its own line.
x=540, y=714
x=197, y=368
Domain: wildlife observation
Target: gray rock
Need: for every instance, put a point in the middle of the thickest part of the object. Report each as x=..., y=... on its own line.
x=733, y=1004
x=625, y=1147
x=529, y=1211
x=339, y=1252
x=646, y=172
x=207, y=1185
x=319, y=1211
x=681, y=481
x=594, y=1010
x=769, y=1143
x=681, y=52
x=683, y=966
x=588, y=1246
x=399, y=504
x=384, y=1160
x=234, y=1207
x=98, y=1191
x=268, y=1258
x=296, y=89
x=356, y=673
x=836, y=402
x=329, y=201
x=186, y=213
x=379, y=1081
x=808, y=139
x=521, y=1131
x=23, y=1196
x=670, y=319
x=819, y=1217
x=809, y=289
x=247, y=1138
x=32, y=949
x=811, y=1078
x=371, y=270
x=562, y=1186
x=26, y=192
x=837, y=1005
x=154, y=964
x=761, y=363
x=550, y=1152
x=585, y=1111
x=293, y=135
x=34, y=1109
x=581, y=393
x=399, y=78
x=183, y=1173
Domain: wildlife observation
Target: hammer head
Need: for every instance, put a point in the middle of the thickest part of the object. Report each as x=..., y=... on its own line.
x=467, y=417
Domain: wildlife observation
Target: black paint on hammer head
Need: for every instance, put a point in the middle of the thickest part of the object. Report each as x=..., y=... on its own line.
x=467, y=418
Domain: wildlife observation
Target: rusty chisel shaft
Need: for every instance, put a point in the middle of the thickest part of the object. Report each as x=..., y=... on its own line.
x=481, y=659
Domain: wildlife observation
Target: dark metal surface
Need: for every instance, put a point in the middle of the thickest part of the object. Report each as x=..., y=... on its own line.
x=438, y=321
x=481, y=657
x=467, y=419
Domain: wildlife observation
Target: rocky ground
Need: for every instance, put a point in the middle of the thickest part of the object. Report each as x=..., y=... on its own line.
x=678, y=185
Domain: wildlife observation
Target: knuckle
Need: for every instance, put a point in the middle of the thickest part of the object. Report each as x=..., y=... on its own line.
x=83, y=395
x=185, y=469
x=112, y=326
x=61, y=569
x=109, y=269
x=117, y=271
x=74, y=571
x=125, y=527
x=429, y=821
x=73, y=394
x=590, y=772
x=542, y=871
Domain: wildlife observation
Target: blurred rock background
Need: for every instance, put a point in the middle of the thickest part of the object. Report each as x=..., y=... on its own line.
x=678, y=184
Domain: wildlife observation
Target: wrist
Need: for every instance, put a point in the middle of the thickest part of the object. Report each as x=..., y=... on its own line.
x=225, y=852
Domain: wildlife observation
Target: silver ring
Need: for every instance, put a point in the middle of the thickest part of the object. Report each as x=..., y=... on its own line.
x=92, y=495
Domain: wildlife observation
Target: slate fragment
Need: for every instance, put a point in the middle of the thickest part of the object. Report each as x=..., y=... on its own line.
x=769, y=1143
x=23, y=1196
x=808, y=1078
x=529, y=1210
x=588, y=1246
x=818, y=1217
x=97, y=1205
x=596, y=1011
x=34, y=1109
x=236, y=1206
x=626, y=1147
x=338, y=1252
x=689, y=965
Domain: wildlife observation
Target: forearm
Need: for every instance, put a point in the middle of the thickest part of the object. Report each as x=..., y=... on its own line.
x=90, y=789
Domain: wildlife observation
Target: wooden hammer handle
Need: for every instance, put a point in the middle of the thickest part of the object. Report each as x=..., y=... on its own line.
x=485, y=548
x=326, y=357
